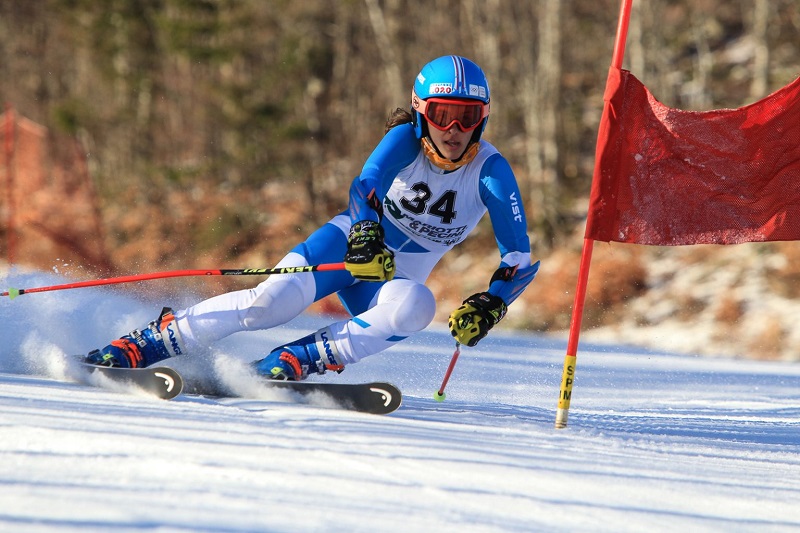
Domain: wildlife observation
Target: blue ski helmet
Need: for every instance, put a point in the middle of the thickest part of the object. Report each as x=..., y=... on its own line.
x=449, y=77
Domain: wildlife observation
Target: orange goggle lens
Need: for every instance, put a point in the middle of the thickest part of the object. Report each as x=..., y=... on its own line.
x=443, y=113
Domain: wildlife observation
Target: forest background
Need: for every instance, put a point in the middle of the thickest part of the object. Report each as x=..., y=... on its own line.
x=217, y=134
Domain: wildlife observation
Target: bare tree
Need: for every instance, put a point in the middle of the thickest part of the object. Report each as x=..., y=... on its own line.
x=386, y=49
x=541, y=82
x=761, y=16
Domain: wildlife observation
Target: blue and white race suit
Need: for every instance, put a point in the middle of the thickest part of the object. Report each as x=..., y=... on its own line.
x=426, y=212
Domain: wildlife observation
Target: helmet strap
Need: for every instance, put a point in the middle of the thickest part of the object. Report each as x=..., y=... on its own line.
x=443, y=163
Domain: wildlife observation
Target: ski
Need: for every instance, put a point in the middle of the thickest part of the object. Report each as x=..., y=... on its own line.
x=377, y=398
x=162, y=382
x=165, y=383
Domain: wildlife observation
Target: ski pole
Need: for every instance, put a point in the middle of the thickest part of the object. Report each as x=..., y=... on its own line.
x=13, y=293
x=440, y=395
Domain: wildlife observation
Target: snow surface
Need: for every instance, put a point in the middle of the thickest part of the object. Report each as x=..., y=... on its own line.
x=655, y=442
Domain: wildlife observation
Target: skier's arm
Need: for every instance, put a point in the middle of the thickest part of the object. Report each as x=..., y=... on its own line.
x=398, y=149
x=480, y=312
x=367, y=257
x=500, y=194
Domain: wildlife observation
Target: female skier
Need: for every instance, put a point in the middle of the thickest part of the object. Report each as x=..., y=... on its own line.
x=421, y=191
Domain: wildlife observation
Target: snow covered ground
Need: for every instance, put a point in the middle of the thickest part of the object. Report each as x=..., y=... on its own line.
x=655, y=442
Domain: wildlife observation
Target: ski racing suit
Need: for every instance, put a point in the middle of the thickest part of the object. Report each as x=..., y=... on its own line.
x=426, y=212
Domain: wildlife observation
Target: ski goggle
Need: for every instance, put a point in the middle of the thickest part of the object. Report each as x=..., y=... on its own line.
x=442, y=113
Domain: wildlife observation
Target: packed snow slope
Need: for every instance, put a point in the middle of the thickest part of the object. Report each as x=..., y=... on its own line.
x=655, y=442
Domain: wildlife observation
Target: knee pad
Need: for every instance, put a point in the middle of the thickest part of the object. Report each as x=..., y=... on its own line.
x=413, y=304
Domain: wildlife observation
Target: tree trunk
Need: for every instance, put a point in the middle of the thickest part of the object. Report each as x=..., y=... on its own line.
x=541, y=120
x=760, y=84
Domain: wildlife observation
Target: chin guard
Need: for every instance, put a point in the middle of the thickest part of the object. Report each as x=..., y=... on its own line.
x=446, y=164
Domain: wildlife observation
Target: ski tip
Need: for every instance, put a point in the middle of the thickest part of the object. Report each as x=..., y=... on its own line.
x=162, y=382
x=378, y=398
x=173, y=382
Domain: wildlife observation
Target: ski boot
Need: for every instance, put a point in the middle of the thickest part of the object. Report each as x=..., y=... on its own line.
x=158, y=341
x=313, y=354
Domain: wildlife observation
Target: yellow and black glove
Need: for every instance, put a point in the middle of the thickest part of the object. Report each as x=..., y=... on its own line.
x=367, y=258
x=477, y=315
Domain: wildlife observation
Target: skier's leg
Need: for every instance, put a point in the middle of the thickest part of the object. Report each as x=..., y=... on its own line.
x=397, y=309
x=275, y=301
x=400, y=308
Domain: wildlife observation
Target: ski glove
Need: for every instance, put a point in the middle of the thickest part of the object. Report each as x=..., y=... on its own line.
x=367, y=258
x=477, y=315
